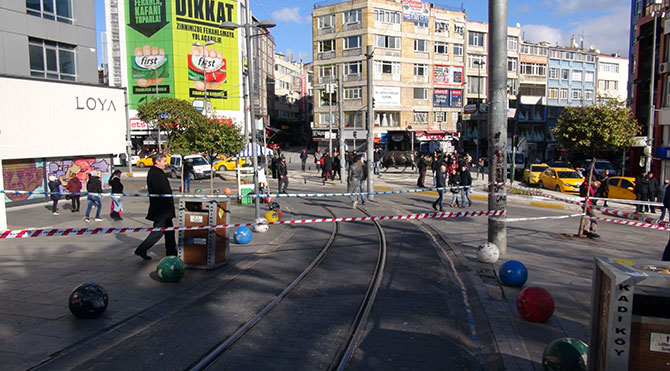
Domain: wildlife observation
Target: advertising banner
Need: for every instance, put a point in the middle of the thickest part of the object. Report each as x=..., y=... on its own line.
x=456, y=98
x=415, y=11
x=164, y=61
x=441, y=98
x=387, y=95
x=448, y=75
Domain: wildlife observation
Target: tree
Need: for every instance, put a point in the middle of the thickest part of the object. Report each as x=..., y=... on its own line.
x=212, y=137
x=593, y=129
x=173, y=116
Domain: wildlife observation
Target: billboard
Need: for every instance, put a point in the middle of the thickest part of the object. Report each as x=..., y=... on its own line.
x=163, y=60
x=448, y=75
x=415, y=11
x=447, y=98
x=387, y=95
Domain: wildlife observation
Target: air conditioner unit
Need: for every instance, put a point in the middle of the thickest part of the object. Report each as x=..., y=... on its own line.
x=664, y=67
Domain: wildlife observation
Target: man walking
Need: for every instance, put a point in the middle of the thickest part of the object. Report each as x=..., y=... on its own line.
x=466, y=182
x=161, y=209
x=440, y=183
x=282, y=171
x=303, y=158
x=422, y=171
x=274, y=164
x=377, y=155
x=653, y=193
x=354, y=179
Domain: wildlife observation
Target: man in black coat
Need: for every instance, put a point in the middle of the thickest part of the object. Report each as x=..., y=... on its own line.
x=161, y=209
x=282, y=171
x=641, y=189
x=466, y=183
x=422, y=165
x=652, y=194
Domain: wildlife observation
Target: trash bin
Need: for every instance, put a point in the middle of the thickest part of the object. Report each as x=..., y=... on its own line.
x=630, y=315
x=206, y=248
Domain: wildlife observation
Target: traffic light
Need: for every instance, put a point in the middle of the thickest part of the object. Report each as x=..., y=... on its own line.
x=354, y=133
x=373, y=102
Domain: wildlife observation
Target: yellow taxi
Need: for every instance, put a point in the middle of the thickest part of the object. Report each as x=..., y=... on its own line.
x=531, y=175
x=226, y=163
x=621, y=187
x=148, y=161
x=561, y=179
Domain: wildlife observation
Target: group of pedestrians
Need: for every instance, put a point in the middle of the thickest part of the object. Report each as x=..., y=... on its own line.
x=93, y=186
x=646, y=189
x=451, y=171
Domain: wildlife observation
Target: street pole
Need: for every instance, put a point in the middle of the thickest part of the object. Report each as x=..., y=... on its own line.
x=330, y=119
x=340, y=110
x=479, y=102
x=247, y=103
x=128, y=140
x=252, y=112
x=158, y=128
x=371, y=123
x=497, y=114
x=652, y=78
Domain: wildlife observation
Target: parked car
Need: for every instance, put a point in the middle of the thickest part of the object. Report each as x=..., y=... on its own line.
x=563, y=164
x=201, y=167
x=621, y=187
x=122, y=158
x=602, y=167
x=531, y=175
x=226, y=163
x=145, y=161
x=561, y=180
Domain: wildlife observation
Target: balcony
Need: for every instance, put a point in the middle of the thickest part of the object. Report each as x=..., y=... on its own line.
x=353, y=77
x=391, y=52
x=325, y=30
x=421, y=55
x=351, y=26
x=352, y=52
x=326, y=55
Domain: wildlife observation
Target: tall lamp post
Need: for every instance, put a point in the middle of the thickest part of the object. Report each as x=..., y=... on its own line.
x=263, y=26
x=204, y=70
x=479, y=64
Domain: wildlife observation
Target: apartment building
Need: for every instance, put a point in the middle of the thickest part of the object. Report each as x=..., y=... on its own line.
x=612, y=77
x=263, y=49
x=572, y=77
x=292, y=93
x=418, y=70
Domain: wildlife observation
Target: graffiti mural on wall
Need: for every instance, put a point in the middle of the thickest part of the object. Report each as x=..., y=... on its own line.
x=24, y=175
x=64, y=169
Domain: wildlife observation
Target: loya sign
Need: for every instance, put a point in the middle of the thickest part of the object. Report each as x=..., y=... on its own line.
x=94, y=104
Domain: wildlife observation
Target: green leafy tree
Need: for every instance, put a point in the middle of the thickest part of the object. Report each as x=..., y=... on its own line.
x=173, y=116
x=593, y=129
x=212, y=137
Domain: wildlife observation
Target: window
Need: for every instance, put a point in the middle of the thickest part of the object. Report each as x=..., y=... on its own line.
x=512, y=43
x=387, y=118
x=441, y=48
x=386, y=67
x=353, y=119
x=609, y=67
x=553, y=93
x=576, y=94
x=420, y=69
x=326, y=46
x=556, y=54
x=511, y=64
x=353, y=16
x=387, y=16
x=45, y=9
x=565, y=74
x=512, y=86
x=326, y=21
x=588, y=95
x=589, y=76
x=421, y=45
x=327, y=118
x=459, y=29
x=326, y=72
x=474, y=59
x=475, y=38
x=533, y=69
x=564, y=94
x=352, y=68
x=442, y=27
x=458, y=50
x=421, y=24
x=476, y=85
x=352, y=93
x=420, y=117
x=554, y=73
x=352, y=42
x=440, y=116
x=576, y=75
x=608, y=84
x=389, y=42
x=421, y=93
x=533, y=49
x=51, y=59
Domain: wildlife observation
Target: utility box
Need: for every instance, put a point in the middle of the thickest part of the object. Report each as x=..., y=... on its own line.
x=206, y=248
x=630, y=315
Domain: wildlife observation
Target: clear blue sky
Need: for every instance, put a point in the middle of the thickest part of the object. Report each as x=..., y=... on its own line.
x=604, y=23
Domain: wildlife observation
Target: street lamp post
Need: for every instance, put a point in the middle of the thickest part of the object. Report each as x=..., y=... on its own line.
x=158, y=127
x=204, y=70
x=479, y=64
x=262, y=25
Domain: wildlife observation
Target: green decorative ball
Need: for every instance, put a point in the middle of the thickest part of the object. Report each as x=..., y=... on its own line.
x=170, y=269
x=565, y=354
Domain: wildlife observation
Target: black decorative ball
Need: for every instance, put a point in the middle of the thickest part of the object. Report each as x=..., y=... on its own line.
x=88, y=301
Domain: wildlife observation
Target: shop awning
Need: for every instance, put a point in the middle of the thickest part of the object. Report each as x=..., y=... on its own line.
x=427, y=135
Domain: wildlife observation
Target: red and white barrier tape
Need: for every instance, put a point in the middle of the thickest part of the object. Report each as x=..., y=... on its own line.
x=511, y=220
x=631, y=223
x=56, y=232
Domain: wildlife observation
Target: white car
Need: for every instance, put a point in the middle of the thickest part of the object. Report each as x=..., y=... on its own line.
x=120, y=159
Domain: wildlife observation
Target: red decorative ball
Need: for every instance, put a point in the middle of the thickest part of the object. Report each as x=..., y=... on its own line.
x=227, y=191
x=535, y=304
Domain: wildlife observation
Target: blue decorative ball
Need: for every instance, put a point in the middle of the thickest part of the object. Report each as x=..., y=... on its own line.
x=513, y=273
x=243, y=235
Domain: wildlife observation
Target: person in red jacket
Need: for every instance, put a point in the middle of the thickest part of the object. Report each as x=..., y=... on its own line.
x=74, y=186
x=591, y=225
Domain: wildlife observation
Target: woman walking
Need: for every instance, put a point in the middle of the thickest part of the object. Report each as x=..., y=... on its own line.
x=117, y=187
x=74, y=186
x=454, y=182
x=54, y=188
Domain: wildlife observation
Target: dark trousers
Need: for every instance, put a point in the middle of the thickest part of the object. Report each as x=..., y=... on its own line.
x=153, y=237
x=302, y=164
x=274, y=173
x=54, y=206
x=666, y=252
x=422, y=178
x=639, y=197
x=283, y=184
x=75, y=203
x=440, y=197
x=651, y=208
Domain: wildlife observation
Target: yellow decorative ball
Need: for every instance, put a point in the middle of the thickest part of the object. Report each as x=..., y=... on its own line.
x=271, y=216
